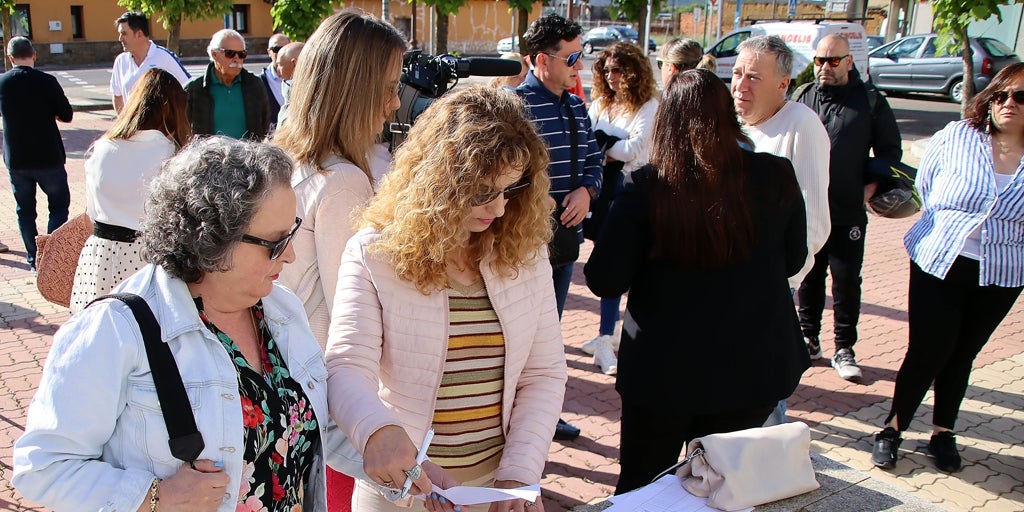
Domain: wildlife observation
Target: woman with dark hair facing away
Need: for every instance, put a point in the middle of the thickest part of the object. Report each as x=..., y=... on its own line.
x=966, y=261
x=152, y=126
x=445, y=317
x=625, y=100
x=703, y=239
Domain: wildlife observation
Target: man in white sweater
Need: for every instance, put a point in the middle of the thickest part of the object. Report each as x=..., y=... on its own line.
x=788, y=129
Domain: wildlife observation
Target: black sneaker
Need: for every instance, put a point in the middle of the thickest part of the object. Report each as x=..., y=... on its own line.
x=565, y=431
x=943, y=448
x=813, y=347
x=887, y=445
x=846, y=365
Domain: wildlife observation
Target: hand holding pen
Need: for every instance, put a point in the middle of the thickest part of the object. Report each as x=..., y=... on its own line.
x=388, y=454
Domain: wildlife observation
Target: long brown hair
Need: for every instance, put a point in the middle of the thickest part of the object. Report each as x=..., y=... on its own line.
x=157, y=102
x=700, y=215
x=980, y=107
x=638, y=85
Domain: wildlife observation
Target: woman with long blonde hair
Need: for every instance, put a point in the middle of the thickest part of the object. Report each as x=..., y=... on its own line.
x=445, y=316
x=344, y=89
x=150, y=129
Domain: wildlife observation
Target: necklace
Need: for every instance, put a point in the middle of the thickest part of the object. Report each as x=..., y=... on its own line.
x=1003, y=147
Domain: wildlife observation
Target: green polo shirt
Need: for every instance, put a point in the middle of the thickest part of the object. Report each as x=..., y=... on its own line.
x=228, y=107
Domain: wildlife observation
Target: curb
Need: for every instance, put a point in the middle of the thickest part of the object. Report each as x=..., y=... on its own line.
x=918, y=147
x=91, y=107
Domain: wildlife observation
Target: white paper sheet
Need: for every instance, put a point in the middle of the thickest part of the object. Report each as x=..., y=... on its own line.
x=664, y=495
x=466, y=495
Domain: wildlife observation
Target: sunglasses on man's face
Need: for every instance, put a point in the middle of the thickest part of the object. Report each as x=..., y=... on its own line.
x=276, y=247
x=241, y=54
x=832, y=61
x=507, y=193
x=275, y=49
x=571, y=60
x=1000, y=97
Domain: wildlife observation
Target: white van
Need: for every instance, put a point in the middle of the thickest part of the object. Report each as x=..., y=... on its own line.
x=801, y=36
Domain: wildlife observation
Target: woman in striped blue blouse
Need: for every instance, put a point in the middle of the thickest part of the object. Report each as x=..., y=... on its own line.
x=967, y=261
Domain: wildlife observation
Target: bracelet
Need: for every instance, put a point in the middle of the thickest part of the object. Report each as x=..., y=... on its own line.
x=154, y=500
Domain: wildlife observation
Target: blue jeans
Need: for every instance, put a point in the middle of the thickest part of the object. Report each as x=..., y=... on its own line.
x=609, y=315
x=562, y=277
x=54, y=183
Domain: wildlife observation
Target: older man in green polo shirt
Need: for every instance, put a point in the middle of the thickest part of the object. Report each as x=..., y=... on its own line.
x=227, y=99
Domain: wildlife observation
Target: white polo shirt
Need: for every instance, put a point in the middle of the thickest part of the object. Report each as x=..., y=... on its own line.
x=126, y=73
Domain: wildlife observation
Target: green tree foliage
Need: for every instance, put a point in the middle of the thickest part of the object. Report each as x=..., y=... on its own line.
x=297, y=19
x=951, y=20
x=523, y=9
x=636, y=12
x=443, y=9
x=172, y=12
x=6, y=9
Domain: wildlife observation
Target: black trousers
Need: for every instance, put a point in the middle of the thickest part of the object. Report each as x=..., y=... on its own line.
x=951, y=319
x=843, y=253
x=652, y=439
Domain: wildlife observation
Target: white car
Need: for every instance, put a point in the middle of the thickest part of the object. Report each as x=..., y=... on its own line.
x=509, y=44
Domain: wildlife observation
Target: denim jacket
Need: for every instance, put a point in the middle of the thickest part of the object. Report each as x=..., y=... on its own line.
x=95, y=436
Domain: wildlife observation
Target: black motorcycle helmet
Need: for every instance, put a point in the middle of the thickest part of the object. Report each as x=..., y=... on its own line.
x=896, y=196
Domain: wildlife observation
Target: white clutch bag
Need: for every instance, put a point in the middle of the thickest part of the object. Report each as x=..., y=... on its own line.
x=742, y=469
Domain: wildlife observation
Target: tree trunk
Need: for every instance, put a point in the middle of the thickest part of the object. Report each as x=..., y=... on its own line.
x=968, y=83
x=441, y=32
x=174, y=34
x=413, y=43
x=5, y=22
x=523, y=20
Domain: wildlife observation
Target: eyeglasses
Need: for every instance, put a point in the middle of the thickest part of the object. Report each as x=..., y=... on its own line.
x=274, y=49
x=832, y=61
x=508, y=193
x=571, y=60
x=1000, y=97
x=276, y=248
x=615, y=70
x=241, y=54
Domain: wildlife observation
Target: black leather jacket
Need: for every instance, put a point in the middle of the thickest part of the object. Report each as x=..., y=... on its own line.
x=254, y=95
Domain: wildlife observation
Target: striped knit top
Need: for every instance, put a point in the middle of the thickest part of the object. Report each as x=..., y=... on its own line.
x=960, y=193
x=468, y=440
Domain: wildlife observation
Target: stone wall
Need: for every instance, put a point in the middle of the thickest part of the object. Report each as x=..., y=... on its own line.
x=100, y=52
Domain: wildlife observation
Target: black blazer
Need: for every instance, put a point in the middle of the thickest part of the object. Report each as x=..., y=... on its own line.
x=707, y=341
x=254, y=96
x=30, y=103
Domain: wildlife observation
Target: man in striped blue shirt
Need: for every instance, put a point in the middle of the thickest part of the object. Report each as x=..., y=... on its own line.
x=555, y=52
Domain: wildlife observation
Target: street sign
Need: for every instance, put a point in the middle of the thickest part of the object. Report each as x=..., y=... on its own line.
x=792, y=8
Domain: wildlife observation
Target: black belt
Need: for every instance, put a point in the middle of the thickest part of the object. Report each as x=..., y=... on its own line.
x=112, y=232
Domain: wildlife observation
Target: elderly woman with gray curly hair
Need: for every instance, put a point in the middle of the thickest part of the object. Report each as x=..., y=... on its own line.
x=217, y=230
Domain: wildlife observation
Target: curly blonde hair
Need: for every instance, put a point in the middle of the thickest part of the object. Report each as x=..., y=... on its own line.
x=457, y=150
x=638, y=84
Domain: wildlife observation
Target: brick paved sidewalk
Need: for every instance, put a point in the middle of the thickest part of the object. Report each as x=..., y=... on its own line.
x=842, y=416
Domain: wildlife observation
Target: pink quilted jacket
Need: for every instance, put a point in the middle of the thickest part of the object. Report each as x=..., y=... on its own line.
x=386, y=351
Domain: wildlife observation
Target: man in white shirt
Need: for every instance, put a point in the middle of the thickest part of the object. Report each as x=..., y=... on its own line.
x=788, y=129
x=140, y=54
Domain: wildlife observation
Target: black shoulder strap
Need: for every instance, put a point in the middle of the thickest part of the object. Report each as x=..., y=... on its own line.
x=574, y=148
x=185, y=441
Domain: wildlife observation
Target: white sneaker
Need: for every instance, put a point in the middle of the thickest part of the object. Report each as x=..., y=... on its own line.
x=590, y=347
x=605, y=359
x=846, y=365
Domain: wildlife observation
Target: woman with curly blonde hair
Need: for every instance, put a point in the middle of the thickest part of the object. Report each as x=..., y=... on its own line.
x=444, y=316
x=622, y=115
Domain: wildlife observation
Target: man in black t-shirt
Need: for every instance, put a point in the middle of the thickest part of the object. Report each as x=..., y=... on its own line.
x=31, y=102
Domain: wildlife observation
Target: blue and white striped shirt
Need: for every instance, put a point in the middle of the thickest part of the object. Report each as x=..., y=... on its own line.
x=959, y=192
x=549, y=115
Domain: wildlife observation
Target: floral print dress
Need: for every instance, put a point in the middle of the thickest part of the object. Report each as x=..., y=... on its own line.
x=281, y=432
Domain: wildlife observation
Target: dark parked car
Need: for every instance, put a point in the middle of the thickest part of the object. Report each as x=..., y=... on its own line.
x=599, y=38
x=914, y=64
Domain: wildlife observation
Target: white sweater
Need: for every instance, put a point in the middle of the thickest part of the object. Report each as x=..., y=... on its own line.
x=117, y=176
x=636, y=132
x=795, y=132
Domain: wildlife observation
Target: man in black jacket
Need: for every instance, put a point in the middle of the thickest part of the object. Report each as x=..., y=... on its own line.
x=228, y=99
x=30, y=102
x=858, y=119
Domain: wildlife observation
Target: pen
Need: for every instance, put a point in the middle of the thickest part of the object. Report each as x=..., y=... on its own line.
x=420, y=457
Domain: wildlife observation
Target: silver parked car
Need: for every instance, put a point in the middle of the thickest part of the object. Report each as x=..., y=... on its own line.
x=509, y=44
x=914, y=64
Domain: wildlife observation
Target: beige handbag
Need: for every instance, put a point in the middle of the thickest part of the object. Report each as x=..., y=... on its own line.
x=742, y=469
x=57, y=259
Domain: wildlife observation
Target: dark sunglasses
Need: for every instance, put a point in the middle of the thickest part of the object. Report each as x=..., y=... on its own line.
x=275, y=49
x=508, y=193
x=571, y=60
x=276, y=248
x=616, y=70
x=241, y=54
x=832, y=61
x=1000, y=97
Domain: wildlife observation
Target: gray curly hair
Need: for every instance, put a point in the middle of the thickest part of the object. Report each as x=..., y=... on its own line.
x=203, y=200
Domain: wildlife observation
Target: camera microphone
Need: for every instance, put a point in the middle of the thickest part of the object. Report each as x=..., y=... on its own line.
x=487, y=66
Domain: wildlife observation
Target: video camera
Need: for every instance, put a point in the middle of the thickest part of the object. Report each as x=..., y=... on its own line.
x=426, y=78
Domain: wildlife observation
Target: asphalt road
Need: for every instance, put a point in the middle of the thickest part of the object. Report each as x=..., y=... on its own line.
x=918, y=116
